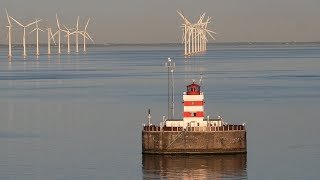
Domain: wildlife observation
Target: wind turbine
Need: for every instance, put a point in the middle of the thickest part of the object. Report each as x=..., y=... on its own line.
x=186, y=27
x=76, y=32
x=37, y=31
x=9, y=35
x=24, y=33
x=85, y=36
x=68, y=33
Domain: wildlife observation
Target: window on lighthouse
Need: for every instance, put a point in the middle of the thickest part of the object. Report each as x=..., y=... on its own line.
x=193, y=114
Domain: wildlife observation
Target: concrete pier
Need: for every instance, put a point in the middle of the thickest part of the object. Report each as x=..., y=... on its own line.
x=224, y=141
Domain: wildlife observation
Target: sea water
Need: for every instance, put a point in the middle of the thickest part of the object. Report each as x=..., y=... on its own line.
x=80, y=116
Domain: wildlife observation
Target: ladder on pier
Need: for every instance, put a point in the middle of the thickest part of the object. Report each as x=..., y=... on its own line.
x=177, y=137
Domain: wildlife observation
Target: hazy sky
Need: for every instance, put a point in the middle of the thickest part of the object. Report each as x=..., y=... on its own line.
x=156, y=21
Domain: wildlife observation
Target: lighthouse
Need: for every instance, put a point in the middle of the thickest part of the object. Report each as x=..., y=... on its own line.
x=193, y=110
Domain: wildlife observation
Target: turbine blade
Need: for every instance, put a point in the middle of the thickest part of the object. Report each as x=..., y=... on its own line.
x=66, y=28
x=52, y=37
x=184, y=18
x=211, y=35
x=54, y=33
x=210, y=31
x=8, y=17
x=89, y=36
x=87, y=24
x=204, y=36
x=78, y=23
x=181, y=15
x=33, y=23
x=17, y=22
x=201, y=17
x=33, y=30
x=58, y=22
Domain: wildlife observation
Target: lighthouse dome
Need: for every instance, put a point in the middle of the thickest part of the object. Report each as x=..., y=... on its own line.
x=193, y=89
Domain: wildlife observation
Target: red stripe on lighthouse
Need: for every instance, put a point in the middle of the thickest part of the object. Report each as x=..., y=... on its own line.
x=193, y=103
x=193, y=114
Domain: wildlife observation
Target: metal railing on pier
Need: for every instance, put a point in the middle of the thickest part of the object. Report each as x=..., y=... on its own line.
x=195, y=129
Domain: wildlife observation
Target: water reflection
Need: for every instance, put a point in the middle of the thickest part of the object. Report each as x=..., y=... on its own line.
x=195, y=167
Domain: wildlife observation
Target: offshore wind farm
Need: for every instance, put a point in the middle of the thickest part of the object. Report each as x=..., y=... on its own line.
x=194, y=35
x=50, y=36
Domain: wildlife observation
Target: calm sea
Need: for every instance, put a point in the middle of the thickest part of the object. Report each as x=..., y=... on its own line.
x=79, y=116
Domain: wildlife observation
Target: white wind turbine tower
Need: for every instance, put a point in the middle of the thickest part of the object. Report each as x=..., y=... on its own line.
x=37, y=31
x=192, y=38
x=50, y=36
x=9, y=35
x=189, y=27
x=24, y=33
x=85, y=36
x=77, y=36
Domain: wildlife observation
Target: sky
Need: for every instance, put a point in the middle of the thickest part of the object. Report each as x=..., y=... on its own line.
x=156, y=21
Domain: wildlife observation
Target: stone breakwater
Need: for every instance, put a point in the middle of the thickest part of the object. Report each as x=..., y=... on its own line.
x=194, y=142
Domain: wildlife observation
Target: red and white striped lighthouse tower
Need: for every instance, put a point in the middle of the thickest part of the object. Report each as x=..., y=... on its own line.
x=193, y=106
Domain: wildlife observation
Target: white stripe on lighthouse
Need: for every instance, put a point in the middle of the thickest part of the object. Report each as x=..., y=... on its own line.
x=193, y=108
x=193, y=97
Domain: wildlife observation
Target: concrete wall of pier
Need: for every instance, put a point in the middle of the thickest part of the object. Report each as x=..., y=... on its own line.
x=188, y=142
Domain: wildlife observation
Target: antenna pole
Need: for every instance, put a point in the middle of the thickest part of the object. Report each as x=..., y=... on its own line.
x=149, y=117
x=170, y=65
x=172, y=95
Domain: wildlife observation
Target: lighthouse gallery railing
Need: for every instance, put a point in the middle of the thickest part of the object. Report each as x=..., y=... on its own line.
x=196, y=129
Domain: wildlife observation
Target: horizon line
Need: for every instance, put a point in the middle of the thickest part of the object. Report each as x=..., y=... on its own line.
x=175, y=43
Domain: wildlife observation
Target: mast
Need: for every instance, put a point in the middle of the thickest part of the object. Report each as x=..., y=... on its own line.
x=170, y=66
